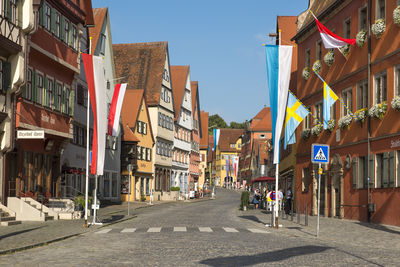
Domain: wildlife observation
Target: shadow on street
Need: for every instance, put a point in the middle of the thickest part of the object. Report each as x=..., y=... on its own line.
x=20, y=232
x=272, y=256
x=252, y=218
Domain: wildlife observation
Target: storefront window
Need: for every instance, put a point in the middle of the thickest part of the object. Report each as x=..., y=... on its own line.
x=114, y=185
x=106, y=185
x=148, y=186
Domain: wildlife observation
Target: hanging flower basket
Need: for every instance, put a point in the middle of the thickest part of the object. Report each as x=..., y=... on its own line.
x=305, y=134
x=396, y=103
x=317, y=66
x=306, y=73
x=345, y=50
x=361, y=38
x=329, y=58
x=378, y=28
x=396, y=16
x=345, y=121
x=360, y=115
x=317, y=129
x=378, y=110
x=331, y=125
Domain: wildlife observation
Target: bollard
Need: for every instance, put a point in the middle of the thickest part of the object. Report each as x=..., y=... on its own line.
x=298, y=213
x=306, y=216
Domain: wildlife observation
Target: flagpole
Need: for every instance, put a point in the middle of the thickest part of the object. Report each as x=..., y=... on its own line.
x=87, y=147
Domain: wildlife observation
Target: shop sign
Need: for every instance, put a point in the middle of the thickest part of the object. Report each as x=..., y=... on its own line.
x=26, y=134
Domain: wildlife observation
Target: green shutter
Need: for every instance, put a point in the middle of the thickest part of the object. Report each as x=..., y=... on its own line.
x=45, y=96
x=62, y=26
x=24, y=91
x=70, y=33
x=7, y=9
x=54, y=96
x=34, y=89
x=392, y=169
x=53, y=20
x=372, y=171
x=63, y=99
x=354, y=172
x=385, y=174
x=71, y=102
x=6, y=75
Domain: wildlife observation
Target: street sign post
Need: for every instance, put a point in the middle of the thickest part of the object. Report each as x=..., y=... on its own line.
x=320, y=155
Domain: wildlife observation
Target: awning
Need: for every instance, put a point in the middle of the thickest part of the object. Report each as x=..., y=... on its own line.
x=264, y=179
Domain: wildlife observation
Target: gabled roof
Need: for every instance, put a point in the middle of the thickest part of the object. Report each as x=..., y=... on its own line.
x=141, y=65
x=194, y=85
x=94, y=32
x=89, y=12
x=204, y=130
x=129, y=135
x=227, y=137
x=179, y=76
x=130, y=110
x=262, y=121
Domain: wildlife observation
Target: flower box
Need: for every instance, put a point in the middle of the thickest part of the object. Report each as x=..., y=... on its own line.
x=329, y=58
x=361, y=38
x=331, y=125
x=317, y=129
x=378, y=28
x=306, y=73
x=360, y=115
x=317, y=66
x=378, y=110
x=345, y=121
x=345, y=50
x=396, y=103
x=396, y=16
x=305, y=134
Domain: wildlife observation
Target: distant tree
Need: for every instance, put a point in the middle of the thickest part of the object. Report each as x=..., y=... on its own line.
x=236, y=125
x=215, y=121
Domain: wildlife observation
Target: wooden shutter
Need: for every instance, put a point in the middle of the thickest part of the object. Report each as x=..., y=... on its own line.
x=43, y=13
x=53, y=20
x=144, y=128
x=392, y=169
x=44, y=92
x=371, y=171
x=71, y=102
x=63, y=99
x=385, y=174
x=62, y=28
x=354, y=172
x=54, y=96
x=34, y=89
x=70, y=34
x=6, y=76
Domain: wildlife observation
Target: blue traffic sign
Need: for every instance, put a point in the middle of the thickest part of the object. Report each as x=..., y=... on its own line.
x=320, y=153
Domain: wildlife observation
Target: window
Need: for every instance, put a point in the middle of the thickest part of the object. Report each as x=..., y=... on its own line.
x=165, y=75
x=347, y=97
x=114, y=187
x=81, y=136
x=380, y=9
x=318, y=50
x=49, y=98
x=66, y=31
x=47, y=19
x=307, y=58
x=380, y=88
x=66, y=100
x=75, y=134
x=318, y=113
x=362, y=18
x=139, y=153
x=57, y=30
x=397, y=80
x=80, y=94
x=102, y=44
x=148, y=158
x=362, y=94
x=385, y=167
x=74, y=37
x=159, y=119
x=347, y=28
x=39, y=89
x=12, y=15
x=304, y=180
x=307, y=121
x=59, y=91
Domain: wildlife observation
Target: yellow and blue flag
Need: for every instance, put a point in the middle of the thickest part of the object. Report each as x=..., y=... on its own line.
x=295, y=113
x=329, y=99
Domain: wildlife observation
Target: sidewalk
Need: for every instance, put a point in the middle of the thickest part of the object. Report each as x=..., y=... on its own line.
x=333, y=230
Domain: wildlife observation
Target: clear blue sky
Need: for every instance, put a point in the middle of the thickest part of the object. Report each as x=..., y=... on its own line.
x=221, y=40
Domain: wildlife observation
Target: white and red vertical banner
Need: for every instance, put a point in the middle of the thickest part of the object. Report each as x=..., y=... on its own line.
x=97, y=92
x=115, y=109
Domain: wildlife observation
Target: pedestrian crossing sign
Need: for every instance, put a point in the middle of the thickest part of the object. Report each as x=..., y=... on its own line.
x=320, y=153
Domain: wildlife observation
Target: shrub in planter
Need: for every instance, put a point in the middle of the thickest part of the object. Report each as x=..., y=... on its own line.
x=345, y=121
x=317, y=66
x=360, y=115
x=396, y=103
x=331, y=125
x=306, y=73
x=244, y=200
x=329, y=58
x=317, y=129
x=361, y=38
x=305, y=134
x=345, y=50
x=175, y=188
x=378, y=28
x=378, y=110
x=396, y=16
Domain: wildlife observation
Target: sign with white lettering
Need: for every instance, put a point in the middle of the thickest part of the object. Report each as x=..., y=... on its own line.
x=25, y=134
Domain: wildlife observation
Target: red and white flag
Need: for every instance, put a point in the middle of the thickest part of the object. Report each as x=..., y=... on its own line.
x=330, y=39
x=97, y=92
x=115, y=109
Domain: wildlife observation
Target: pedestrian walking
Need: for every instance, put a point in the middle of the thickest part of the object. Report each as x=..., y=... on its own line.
x=280, y=198
x=288, y=205
x=256, y=199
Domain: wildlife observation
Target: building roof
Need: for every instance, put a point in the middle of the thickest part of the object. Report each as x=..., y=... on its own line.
x=227, y=137
x=262, y=121
x=204, y=129
x=99, y=15
x=129, y=135
x=89, y=12
x=141, y=65
x=179, y=76
x=196, y=100
x=194, y=86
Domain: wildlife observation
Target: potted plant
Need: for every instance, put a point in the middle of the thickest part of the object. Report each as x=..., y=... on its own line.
x=306, y=73
x=317, y=129
x=378, y=110
x=396, y=103
x=305, y=134
x=345, y=50
x=79, y=202
x=378, y=28
x=360, y=115
x=329, y=58
x=317, y=66
x=361, y=37
x=244, y=200
x=396, y=15
x=331, y=125
x=345, y=121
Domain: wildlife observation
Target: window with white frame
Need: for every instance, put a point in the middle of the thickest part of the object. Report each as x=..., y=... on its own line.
x=385, y=169
x=49, y=92
x=74, y=37
x=39, y=88
x=57, y=29
x=362, y=94
x=318, y=112
x=66, y=31
x=47, y=15
x=347, y=97
x=347, y=28
x=362, y=18
x=380, y=10
x=397, y=80
x=380, y=85
x=13, y=11
x=58, y=93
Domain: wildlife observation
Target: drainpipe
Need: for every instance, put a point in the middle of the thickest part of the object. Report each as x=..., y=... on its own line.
x=368, y=103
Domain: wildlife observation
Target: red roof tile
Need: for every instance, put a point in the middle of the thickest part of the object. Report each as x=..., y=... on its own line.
x=227, y=137
x=94, y=32
x=262, y=121
x=141, y=65
x=179, y=76
x=204, y=129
